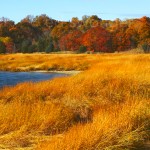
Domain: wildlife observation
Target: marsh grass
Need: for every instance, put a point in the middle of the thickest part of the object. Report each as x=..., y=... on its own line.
x=26, y=62
x=116, y=87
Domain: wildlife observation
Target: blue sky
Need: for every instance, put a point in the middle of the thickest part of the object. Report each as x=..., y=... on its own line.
x=16, y=10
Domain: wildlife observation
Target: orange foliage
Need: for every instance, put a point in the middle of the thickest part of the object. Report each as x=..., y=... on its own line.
x=121, y=40
x=8, y=43
x=71, y=41
x=97, y=39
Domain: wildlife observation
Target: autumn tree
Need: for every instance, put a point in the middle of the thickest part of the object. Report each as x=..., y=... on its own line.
x=9, y=45
x=25, y=31
x=71, y=41
x=59, y=31
x=28, y=31
x=5, y=26
x=28, y=18
x=144, y=31
x=139, y=32
x=97, y=39
x=121, y=38
x=91, y=21
x=75, y=22
x=44, y=23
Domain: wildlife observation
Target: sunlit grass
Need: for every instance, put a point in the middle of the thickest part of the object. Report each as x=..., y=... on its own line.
x=28, y=62
x=42, y=115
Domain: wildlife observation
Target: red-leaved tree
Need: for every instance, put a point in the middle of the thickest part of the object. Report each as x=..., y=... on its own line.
x=71, y=41
x=97, y=39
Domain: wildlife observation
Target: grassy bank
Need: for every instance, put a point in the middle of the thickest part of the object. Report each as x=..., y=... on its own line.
x=115, y=87
x=59, y=62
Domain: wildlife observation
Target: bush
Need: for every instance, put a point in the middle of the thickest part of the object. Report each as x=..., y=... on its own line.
x=82, y=49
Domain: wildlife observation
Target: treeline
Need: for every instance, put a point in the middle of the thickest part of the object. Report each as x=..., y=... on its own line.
x=43, y=34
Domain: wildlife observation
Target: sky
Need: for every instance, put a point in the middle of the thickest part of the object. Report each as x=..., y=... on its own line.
x=64, y=10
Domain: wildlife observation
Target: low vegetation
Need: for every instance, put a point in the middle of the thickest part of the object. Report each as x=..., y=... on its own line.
x=29, y=62
x=105, y=107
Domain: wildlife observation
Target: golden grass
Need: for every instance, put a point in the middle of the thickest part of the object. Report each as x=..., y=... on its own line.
x=26, y=62
x=42, y=115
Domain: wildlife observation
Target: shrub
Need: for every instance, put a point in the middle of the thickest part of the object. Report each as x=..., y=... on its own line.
x=82, y=49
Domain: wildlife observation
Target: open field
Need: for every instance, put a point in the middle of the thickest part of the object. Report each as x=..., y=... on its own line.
x=105, y=107
x=58, y=62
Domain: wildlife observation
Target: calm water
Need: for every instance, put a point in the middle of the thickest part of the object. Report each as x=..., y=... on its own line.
x=12, y=78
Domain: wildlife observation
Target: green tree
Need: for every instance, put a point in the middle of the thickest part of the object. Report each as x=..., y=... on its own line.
x=25, y=46
x=32, y=48
x=41, y=45
x=82, y=49
x=50, y=47
x=2, y=47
